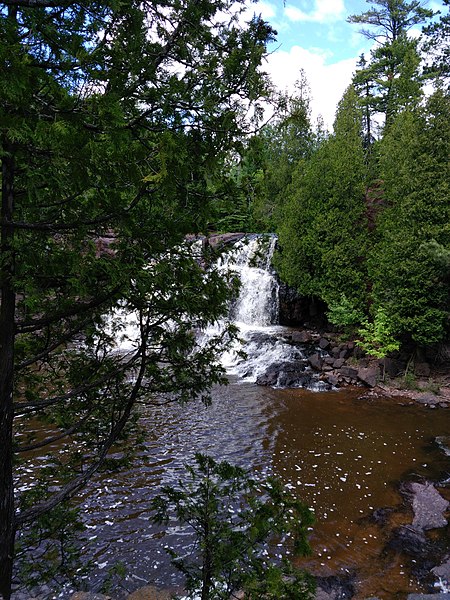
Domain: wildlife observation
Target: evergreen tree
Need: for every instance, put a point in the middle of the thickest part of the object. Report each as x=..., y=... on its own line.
x=393, y=72
x=113, y=119
x=437, y=46
x=409, y=265
x=323, y=235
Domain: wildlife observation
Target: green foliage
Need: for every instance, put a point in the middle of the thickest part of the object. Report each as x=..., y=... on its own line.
x=391, y=81
x=437, y=47
x=114, y=126
x=409, y=265
x=377, y=336
x=234, y=520
x=323, y=234
x=343, y=313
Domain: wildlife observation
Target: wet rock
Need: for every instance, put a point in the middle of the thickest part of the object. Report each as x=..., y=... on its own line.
x=149, y=592
x=428, y=506
x=324, y=343
x=333, y=379
x=316, y=361
x=409, y=541
x=380, y=516
x=430, y=399
x=301, y=337
x=427, y=596
x=335, y=587
x=349, y=372
x=369, y=376
x=88, y=596
x=338, y=363
x=270, y=377
x=442, y=572
x=328, y=360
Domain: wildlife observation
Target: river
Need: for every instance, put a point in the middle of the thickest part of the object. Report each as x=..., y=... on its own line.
x=342, y=452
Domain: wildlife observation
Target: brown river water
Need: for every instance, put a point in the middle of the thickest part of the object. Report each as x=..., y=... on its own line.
x=342, y=453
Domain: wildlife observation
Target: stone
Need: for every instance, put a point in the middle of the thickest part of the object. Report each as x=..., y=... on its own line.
x=315, y=360
x=301, y=337
x=333, y=379
x=328, y=360
x=324, y=343
x=349, y=372
x=338, y=363
x=427, y=596
x=442, y=572
x=88, y=596
x=369, y=376
x=428, y=506
x=149, y=592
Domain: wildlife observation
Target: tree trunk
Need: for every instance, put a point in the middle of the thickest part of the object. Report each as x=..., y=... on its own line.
x=7, y=333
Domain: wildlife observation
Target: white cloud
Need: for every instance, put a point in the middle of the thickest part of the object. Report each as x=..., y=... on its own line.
x=327, y=81
x=324, y=11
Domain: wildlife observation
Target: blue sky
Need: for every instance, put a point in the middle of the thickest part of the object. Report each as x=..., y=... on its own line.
x=313, y=35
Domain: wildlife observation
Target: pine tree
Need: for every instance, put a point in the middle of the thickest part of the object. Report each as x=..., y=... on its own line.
x=323, y=235
x=409, y=265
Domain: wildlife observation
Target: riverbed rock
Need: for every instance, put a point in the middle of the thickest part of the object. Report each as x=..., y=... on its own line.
x=316, y=361
x=89, y=596
x=335, y=587
x=428, y=596
x=349, y=372
x=442, y=572
x=428, y=506
x=412, y=543
x=149, y=592
x=301, y=337
x=369, y=376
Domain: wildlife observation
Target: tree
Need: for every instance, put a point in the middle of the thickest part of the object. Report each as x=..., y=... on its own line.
x=233, y=520
x=409, y=264
x=393, y=72
x=276, y=150
x=323, y=236
x=113, y=117
x=437, y=46
x=391, y=19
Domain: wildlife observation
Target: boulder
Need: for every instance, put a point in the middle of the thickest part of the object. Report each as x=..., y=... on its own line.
x=316, y=361
x=324, y=343
x=428, y=507
x=369, y=376
x=348, y=372
x=338, y=363
x=301, y=337
x=149, y=592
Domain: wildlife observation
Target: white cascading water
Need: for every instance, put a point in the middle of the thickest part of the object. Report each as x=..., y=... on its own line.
x=256, y=310
x=257, y=304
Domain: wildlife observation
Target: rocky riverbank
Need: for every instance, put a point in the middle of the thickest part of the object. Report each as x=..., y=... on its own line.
x=338, y=363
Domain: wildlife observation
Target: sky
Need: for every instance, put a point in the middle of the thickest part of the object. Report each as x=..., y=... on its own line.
x=313, y=35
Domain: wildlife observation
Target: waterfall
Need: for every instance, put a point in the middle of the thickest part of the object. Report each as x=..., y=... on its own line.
x=271, y=358
x=251, y=258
